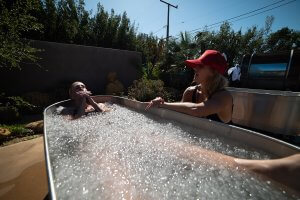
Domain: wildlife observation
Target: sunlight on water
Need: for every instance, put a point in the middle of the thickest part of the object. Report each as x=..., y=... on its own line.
x=129, y=155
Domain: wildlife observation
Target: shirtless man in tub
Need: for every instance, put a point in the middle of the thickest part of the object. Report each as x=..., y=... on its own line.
x=82, y=101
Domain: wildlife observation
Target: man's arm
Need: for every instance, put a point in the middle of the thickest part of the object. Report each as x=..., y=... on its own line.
x=94, y=104
x=81, y=109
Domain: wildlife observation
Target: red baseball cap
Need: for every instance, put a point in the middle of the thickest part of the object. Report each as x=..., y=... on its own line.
x=211, y=58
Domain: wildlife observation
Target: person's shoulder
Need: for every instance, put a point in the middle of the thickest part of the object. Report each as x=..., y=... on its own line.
x=189, y=90
x=61, y=110
x=192, y=88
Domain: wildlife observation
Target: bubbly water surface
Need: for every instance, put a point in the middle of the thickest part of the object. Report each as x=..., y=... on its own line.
x=125, y=154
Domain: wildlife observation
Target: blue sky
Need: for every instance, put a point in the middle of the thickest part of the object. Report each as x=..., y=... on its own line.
x=151, y=15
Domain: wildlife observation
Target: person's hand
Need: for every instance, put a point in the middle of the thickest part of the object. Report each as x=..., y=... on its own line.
x=104, y=108
x=155, y=102
x=83, y=94
x=89, y=99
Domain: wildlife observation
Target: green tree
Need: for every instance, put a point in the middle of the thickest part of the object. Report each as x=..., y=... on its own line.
x=16, y=20
x=67, y=21
x=282, y=40
x=110, y=36
x=50, y=22
x=83, y=35
x=123, y=40
x=152, y=53
x=99, y=25
x=235, y=44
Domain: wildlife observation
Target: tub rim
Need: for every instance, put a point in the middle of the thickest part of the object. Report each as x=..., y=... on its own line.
x=121, y=100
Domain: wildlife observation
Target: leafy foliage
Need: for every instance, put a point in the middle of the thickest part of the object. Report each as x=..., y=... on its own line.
x=152, y=54
x=234, y=44
x=282, y=40
x=9, y=114
x=12, y=108
x=146, y=90
x=67, y=21
x=17, y=129
x=14, y=131
x=16, y=21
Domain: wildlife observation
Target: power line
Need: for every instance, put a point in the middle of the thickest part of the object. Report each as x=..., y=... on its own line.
x=247, y=13
x=211, y=11
x=159, y=29
x=265, y=11
x=228, y=20
x=168, y=17
x=258, y=13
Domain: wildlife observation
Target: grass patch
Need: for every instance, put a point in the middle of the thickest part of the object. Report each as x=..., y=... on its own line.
x=15, y=133
x=16, y=129
x=17, y=140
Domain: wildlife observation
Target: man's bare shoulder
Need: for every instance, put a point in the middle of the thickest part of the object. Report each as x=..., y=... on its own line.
x=61, y=110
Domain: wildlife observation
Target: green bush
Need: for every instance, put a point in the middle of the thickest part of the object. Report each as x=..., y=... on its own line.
x=14, y=131
x=146, y=90
x=23, y=106
x=151, y=72
x=174, y=94
x=179, y=79
x=9, y=114
x=13, y=107
x=17, y=129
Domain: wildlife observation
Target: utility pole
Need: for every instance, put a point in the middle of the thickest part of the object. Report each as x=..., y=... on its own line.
x=168, y=19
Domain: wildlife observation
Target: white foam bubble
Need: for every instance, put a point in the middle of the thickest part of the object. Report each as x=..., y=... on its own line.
x=123, y=154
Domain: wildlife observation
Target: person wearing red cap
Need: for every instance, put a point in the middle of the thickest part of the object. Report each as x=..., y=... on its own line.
x=209, y=98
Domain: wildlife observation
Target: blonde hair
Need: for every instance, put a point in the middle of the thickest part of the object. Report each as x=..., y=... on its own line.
x=215, y=83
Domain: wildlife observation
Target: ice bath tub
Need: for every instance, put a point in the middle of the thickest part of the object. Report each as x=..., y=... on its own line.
x=275, y=148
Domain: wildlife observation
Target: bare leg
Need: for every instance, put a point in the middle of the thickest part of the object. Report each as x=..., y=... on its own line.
x=285, y=170
x=117, y=184
x=193, y=152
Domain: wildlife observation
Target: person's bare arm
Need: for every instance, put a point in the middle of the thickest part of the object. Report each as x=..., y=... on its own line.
x=80, y=111
x=214, y=105
x=92, y=102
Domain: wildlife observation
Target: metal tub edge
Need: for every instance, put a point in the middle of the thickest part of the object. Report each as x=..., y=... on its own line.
x=237, y=134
